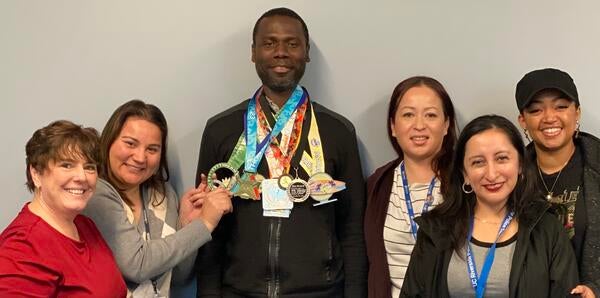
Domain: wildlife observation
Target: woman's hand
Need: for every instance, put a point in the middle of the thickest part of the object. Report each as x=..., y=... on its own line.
x=192, y=199
x=216, y=204
x=584, y=291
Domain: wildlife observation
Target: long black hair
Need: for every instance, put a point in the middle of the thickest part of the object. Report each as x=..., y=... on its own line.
x=457, y=208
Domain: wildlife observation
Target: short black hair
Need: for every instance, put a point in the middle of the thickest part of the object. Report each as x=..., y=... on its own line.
x=280, y=11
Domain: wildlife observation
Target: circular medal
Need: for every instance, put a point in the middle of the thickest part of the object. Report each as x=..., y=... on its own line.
x=226, y=182
x=298, y=190
x=284, y=181
x=322, y=186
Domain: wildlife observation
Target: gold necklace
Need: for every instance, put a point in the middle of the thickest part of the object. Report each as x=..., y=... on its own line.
x=550, y=191
x=485, y=221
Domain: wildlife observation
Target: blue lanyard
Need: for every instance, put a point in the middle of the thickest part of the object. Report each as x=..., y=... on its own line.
x=147, y=236
x=479, y=282
x=254, y=152
x=409, y=206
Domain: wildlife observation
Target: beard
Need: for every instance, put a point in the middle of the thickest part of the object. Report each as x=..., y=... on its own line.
x=280, y=83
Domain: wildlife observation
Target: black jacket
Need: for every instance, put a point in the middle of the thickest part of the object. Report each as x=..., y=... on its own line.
x=543, y=263
x=317, y=252
x=589, y=261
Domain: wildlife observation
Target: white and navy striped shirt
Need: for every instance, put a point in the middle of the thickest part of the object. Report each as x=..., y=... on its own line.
x=397, y=237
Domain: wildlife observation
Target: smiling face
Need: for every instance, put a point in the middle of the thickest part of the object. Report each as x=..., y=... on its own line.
x=65, y=185
x=551, y=120
x=491, y=166
x=419, y=124
x=280, y=52
x=134, y=156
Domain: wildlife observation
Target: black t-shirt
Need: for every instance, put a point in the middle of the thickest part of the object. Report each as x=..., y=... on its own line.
x=566, y=198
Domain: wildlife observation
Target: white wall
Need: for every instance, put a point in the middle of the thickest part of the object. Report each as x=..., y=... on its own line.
x=79, y=60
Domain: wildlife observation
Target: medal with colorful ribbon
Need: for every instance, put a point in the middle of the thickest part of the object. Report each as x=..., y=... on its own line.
x=249, y=151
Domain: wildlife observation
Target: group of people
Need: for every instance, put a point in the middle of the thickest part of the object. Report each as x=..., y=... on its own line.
x=281, y=208
x=481, y=215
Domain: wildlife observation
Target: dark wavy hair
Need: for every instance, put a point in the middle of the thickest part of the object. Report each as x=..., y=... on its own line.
x=59, y=140
x=457, y=208
x=137, y=109
x=441, y=161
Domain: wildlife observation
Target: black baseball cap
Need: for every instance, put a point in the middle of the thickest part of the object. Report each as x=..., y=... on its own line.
x=541, y=79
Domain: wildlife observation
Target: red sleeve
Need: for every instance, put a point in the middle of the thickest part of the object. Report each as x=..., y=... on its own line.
x=23, y=273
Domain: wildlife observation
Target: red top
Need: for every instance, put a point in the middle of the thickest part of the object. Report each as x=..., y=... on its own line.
x=38, y=261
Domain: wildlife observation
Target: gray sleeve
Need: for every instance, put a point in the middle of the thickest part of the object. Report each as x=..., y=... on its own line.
x=137, y=259
x=182, y=273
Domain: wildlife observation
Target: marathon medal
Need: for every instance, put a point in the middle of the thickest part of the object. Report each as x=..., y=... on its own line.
x=249, y=186
x=284, y=181
x=322, y=186
x=227, y=182
x=298, y=190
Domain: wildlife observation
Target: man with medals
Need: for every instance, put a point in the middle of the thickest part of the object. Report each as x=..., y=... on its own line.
x=295, y=172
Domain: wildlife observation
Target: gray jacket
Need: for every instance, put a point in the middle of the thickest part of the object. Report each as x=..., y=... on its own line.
x=141, y=260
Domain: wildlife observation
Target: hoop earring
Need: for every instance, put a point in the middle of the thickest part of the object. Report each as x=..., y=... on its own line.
x=577, y=130
x=526, y=134
x=464, y=185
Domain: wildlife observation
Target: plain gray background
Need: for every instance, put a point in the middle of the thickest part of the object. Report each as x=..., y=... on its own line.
x=79, y=60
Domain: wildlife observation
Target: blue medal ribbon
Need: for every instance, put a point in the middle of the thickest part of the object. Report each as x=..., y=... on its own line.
x=254, y=151
x=479, y=282
x=409, y=206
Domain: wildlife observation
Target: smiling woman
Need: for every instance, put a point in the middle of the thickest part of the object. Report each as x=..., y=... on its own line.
x=153, y=236
x=567, y=164
x=502, y=241
x=49, y=249
x=422, y=130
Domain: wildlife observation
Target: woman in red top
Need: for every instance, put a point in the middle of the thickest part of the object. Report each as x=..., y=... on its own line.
x=49, y=249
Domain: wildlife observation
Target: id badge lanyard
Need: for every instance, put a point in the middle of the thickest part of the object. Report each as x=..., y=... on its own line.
x=409, y=206
x=147, y=237
x=479, y=281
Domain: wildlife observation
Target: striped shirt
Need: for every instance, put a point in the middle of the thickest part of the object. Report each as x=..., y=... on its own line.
x=397, y=236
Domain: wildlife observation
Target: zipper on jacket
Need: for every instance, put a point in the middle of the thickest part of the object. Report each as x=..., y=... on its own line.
x=273, y=285
x=329, y=260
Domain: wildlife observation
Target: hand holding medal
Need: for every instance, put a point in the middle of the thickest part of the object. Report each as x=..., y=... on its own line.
x=204, y=204
x=226, y=182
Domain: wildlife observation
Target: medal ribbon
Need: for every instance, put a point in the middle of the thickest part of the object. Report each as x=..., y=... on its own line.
x=409, y=207
x=479, y=282
x=315, y=162
x=254, y=151
x=279, y=154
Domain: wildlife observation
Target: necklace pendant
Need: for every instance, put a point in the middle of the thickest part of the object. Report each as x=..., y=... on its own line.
x=549, y=196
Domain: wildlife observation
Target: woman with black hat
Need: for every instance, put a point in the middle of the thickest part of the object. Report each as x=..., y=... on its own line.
x=567, y=162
